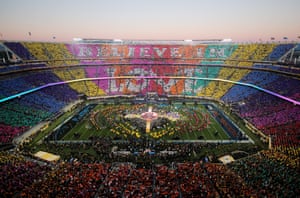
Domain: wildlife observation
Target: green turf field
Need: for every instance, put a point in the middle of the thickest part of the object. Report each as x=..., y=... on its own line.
x=121, y=125
x=195, y=122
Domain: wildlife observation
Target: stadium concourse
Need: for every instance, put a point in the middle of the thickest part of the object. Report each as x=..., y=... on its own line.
x=42, y=85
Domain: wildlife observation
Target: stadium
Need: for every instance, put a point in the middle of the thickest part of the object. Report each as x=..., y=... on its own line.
x=149, y=118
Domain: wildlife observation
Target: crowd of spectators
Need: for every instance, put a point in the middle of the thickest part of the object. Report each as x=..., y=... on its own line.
x=279, y=51
x=8, y=132
x=268, y=174
x=256, y=52
x=273, y=116
x=17, y=173
x=20, y=50
x=26, y=111
x=273, y=173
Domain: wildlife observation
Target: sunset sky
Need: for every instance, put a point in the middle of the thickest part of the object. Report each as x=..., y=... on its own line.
x=62, y=20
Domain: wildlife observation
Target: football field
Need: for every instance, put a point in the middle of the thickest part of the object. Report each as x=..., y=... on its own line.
x=175, y=122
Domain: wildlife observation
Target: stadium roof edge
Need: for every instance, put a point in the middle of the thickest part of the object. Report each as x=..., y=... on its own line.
x=150, y=41
x=153, y=42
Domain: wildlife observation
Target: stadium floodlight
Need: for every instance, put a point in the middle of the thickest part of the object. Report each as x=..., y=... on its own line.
x=227, y=40
x=77, y=39
x=117, y=40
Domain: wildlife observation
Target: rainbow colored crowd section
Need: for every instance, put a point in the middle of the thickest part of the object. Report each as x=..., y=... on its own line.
x=42, y=79
x=167, y=69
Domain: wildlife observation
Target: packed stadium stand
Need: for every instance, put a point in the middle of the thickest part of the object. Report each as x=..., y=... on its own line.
x=258, y=82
